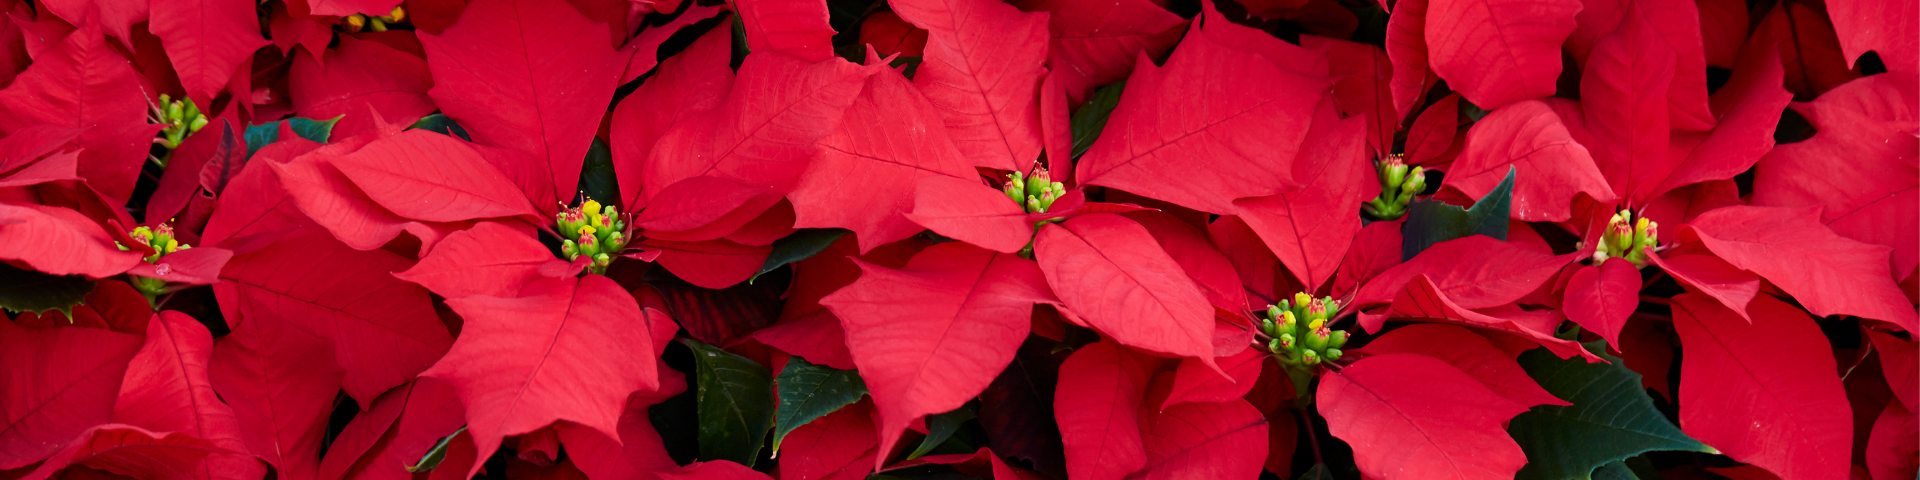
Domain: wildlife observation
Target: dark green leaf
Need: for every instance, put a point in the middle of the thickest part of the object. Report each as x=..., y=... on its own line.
x=1610, y=419
x=434, y=456
x=1432, y=221
x=31, y=291
x=940, y=428
x=809, y=391
x=736, y=404
x=597, y=179
x=439, y=123
x=307, y=128
x=1092, y=117
x=803, y=243
x=1614, y=470
x=740, y=48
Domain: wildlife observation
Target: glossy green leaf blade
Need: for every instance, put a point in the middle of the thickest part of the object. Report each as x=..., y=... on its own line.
x=736, y=404
x=441, y=124
x=1614, y=470
x=802, y=244
x=809, y=391
x=597, y=179
x=940, y=428
x=262, y=135
x=436, y=454
x=31, y=291
x=1087, y=123
x=1432, y=221
x=1610, y=420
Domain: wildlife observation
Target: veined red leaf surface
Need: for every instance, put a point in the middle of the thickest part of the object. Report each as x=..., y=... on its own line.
x=369, y=428
x=1184, y=133
x=1375, y=249
x=888, y=139
x=1194, y=382
x=1413, y=416
x=1208, y=267
x=1110, y=271
x=794, y=27
x=207, y=40
x=131, y=450
x=1675, y=25
x=257, y=209
x=59, y=241
x=382, y=330
x=1406, y=45
x=74, y=375
x=1261, y=275
x=966, y=210
x=1550, y=167
x=1749, y=107
x=490, y=259
x=703, y=208
x=1891, y=447
x=834, y=447
x=1469, y=352
x=982, y=69
x=968, y=312
x=577, y=366
x=1496, y=52
x=1711, y=276
x=356, y=75
x=1624, y=94
x=432, y=177
x=1885, y=27
x=1476, y=271
x=719, y=263
x=281, y=382
x=1205, y=440
x=1600, y=297
x=167, y=389
x=767, y=127
x=1424, y=301
x=1827, y=273
x=1096, y=43
x=1309, y=229
x=1878, y=202
x=1099, y=397
x=685, y=85
x=1771, y=393
x=81, y=83
x=343, y=8
x=527, y=75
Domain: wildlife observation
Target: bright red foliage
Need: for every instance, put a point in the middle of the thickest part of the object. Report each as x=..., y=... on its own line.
x=1008, y=239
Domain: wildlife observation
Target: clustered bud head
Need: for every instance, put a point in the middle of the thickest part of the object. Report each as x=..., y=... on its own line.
x=592, y=230
x=1629, y=238
x=159, y=238
x=1035, y=194
x=181, y=117
x=1301, y=332
x=358, y=22
x=1398, y=185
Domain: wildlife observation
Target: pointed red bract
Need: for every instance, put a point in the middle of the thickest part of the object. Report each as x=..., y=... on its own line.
x=63, y=380
x=982, y=68
x=1310, y=229
x=1412, y=416
x=965, y=210
x=59, y=241
x=1624, y=94
x=1096, y=43
x=836, y=447
x=357, y=75
x=489, y=259
x=281, y=382
x=81, y=83
x=1213, y=125
x=127, y=449
x=343, y=8
x=1469, y=352
x=931, y=335
x=527, y=75
x=560, y=351
x=383, y=330
x=709, y=264
x=794, y=27
x=1549, y=166
x=1423, y=300
x=167, y=390
x=1205, y=440
x=1476, y=271
x=207, y=40
x=1193, y=382
x=1496, y=52
x=432, y=177
x=1827, y=273
x=762, y=134
x=1707, y=274
x=1893, y=444
x=888, y=139
x=1110, y=272
x=1601, y=297
x=1887, y=27
x=1097, y=404
x=1749, y=107
x=1764, y=393
x=685, y=85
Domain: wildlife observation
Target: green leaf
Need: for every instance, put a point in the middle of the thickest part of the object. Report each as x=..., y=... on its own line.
x=439, y=123
x=597, y=179
x=736, y=404
x=1614, y=470
x=1611, y=419
x=1432, y=221
x=31, y=291
x=809, y=391
x=940, y=428
x=1092, y=117
x=436, y=454
x=316, y=130
x=803, y=243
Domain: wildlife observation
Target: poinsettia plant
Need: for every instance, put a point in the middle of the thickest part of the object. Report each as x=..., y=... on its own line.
x=1027, y=239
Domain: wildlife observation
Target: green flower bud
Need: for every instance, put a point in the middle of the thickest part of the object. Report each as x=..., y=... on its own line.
x=198, y=123
x=1275, y=346
x=1334, y=354
x=1059, y=189
x=174, y=112
x=569, y=249
x=1038, y=183
x=1289, y=324
x=1033, y=205
x=1317, y=339
x=1273, y=311
x=1286, y=340
x=1338, y=339
x=1395, y=173
x=1266, y=325
x=1309, y=357
x=1416, y=182
x=600, y=262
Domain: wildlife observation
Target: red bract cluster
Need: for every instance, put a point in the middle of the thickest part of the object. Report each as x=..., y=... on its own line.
x=1066, y=239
